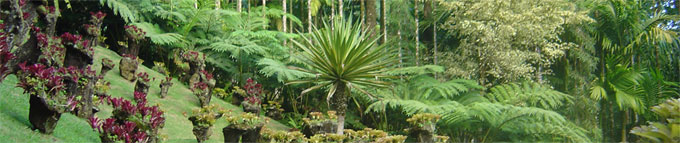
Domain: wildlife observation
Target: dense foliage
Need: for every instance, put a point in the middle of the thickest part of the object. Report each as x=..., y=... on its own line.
x=374, y=70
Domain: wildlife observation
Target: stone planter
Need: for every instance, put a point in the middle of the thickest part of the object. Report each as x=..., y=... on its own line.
x=204, y=98
x=236, y=99
x=165, y=86
x=107, y=65
x=232, y=134
x=274, y=114
x=251, y=108
x=87, y=109
x=328, y=126
x=128, y=67
x=142, y=87
x=41, y=116
x=424, y=134
x=105, y=139
x=202, y=133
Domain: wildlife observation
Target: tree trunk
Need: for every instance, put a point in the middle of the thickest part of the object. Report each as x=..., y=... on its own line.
x=218, y=4
x=401, y=61
x=383, y=20
x=332, y=15
x=339, y=103
x=434, y=39
x=285, y=11
x=264, y=13
x=340, y=9
x=415, y=7
x=363, y=13
x=239, y=4
x=309, y=16
x=371, y=17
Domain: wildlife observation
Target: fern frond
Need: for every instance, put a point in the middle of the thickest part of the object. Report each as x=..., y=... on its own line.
x=280, y=70
x=121, y=9
x=528, y=94
x=157, y=35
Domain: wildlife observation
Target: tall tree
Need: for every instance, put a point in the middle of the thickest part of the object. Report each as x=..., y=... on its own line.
x=239, y=5
x=285, y=12
x=498, y=39
x=371, y=17
x=383, y=20
x=309, y=15
x=415, y=13
x=344, y=58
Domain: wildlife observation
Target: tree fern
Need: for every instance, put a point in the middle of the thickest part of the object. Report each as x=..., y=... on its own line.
x=122, y=9
x=157, y=35
x=280, y=70
x=528, y=94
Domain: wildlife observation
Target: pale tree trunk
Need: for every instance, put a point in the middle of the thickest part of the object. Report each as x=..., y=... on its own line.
x=309, y=16
x=285, y=11
x=401, y=61
x=332, y=15
x=417, y=34
x=383, y=21
x=340, y=9
x=196, y=4
x=239, y=4
x=434, y=38
x=218, y=4
x=264, y=13
x=363, y=12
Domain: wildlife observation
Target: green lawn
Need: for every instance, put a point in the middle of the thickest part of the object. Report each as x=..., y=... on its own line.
x=15, y=127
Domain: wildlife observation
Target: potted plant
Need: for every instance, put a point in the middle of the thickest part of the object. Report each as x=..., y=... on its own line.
x=282, y=136
x=128, y=67
x=237, y=95
x=142, y=84
x=107, y=65
x=160, y=68
x=165, y=86
x=94, y=28
x=130, y=122
x=273, y=110
x=246, y=126
x=203, y=119
x=135, y=36
x=372, y=135
x=5, y=54
x=424, y=126
x=201, y=91
x=252, y=100
x=48, y=97
x=320, y=124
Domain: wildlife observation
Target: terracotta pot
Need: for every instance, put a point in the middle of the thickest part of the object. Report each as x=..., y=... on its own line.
x=41, y=116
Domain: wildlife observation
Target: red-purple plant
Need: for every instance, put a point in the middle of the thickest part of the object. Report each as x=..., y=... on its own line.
x=48, y=83
x=135, y=32
x=207, y=75
x=53, y=51
x=131, y=122
x=192, y=56
x=5, y=53
x=254, y=91
x=143, y=77
x=133, y=57
x=97, y=17
x=77, y=42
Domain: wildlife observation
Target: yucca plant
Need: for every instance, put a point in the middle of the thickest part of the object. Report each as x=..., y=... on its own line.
x=344, y=58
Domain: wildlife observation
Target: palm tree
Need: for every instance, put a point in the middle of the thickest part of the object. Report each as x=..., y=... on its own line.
x=627, y=35
x=344, y=58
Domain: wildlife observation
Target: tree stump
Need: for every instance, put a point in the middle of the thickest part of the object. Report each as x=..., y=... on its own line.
x=232, y=133
x=165, y=86
x=128, y=67
x=327, y=126
x=107, y=65
x=424, y=134
x=202, y=133
x=142, y=87
x=41, y=116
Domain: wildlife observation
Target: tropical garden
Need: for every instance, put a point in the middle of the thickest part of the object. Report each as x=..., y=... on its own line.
x=310, y=71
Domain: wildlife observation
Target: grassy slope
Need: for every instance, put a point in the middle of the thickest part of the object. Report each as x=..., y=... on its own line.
x=14, y=125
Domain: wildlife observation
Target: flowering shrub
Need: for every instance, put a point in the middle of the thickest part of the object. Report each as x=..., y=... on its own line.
x=5, y=53
x=130, y=122
x=134, y=32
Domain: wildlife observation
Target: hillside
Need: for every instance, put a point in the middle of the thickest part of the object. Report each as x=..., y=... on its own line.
x=15, y=126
